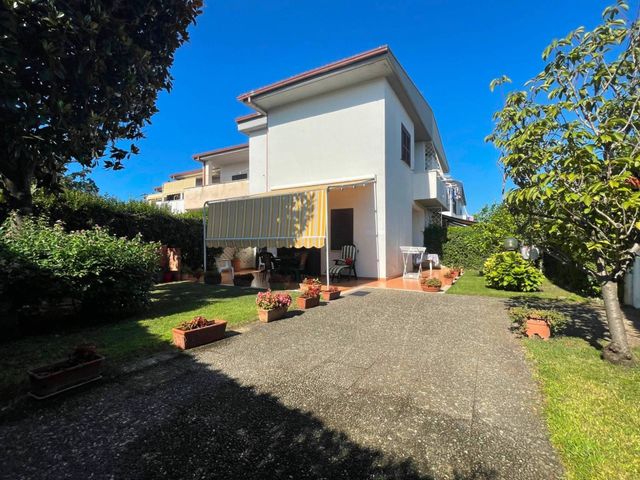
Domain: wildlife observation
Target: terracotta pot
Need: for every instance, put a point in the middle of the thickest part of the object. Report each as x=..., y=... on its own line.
x=186, y=339
x=58, y=377
x=271, y=315
x=326, y=296
x=236, y=264
x=539, y=327
x=305, y=303
x=430, y=289
x=447, y=281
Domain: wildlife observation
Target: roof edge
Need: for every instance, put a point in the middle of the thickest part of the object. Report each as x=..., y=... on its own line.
x=218, y=151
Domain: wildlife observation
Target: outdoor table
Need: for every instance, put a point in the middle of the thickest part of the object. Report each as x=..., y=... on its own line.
x=434, y=260
x=407, y=253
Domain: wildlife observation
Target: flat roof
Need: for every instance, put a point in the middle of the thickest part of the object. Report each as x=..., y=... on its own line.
x=218, y=151
x=186, y=174
x=316, y=72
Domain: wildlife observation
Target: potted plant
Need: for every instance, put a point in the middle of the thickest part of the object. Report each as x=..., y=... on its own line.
x=212, y=277
x=236, y=261
x=430, y=284
x=330, y=293
x=186, y=273
x=243, y=280
x=448, y=277
x=309, y=298
x=84, y=365
x=272, y=306
x=198, y=272
x=309, y=282
x=198, y=331
x=537, y=323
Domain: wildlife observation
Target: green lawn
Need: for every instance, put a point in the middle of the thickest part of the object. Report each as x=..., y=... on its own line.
x=141, y=335
x=592, y=408
x=471, y=283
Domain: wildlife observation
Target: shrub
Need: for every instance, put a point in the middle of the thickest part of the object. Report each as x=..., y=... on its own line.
x=312, y=291
x=270, y=301
x=44, y=267
x=464, y=246
x=509, y=271
x=556, y=320
x=434, y=237
x=431, y=282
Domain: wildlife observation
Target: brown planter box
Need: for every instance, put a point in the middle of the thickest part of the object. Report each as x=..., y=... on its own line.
x=243, y=280
x=267, y=316
x=58, y=377
x=186, y=339
x=305, y=303
x=326, y=296
x=430, y=289
x=537, y=327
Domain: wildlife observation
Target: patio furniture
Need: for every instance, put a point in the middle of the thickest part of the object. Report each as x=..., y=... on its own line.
x=408, y=253
x=267, y=262
x=346, y=263
x=225, y=265
x=434, y=261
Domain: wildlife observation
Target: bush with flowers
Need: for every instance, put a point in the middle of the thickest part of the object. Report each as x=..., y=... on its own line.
x=270, y=301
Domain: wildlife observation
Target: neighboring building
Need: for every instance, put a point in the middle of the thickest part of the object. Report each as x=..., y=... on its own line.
x=171, y=194
x=358, y=129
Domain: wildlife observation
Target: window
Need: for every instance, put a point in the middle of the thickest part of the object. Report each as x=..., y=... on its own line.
x=405, y=150
x=199, y=182
x=215, y=179
x=341, y=227
x=239, y=176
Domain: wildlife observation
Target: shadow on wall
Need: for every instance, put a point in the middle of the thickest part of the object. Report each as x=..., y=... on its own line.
x=585, y=321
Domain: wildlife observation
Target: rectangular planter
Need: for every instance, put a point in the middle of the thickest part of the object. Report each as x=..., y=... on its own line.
x=305, y=303
x=186, y=339
x=326, y=296
x=266, y=316
x=58, y=377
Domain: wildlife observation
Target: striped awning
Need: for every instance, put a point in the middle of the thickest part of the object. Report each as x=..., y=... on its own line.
x=294, y=219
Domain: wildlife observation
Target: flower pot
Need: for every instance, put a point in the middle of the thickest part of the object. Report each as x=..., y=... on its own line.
x=236, y=264
x=267, y=316
x=537, y=327
x=430, y=289
x=213, y=278
x=61, y=376
x=185, y=339
x=447, y=281
x=244, y=280
x=305, y=303
x=326, y=296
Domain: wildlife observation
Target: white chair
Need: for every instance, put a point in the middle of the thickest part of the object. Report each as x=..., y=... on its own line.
x=225, y=266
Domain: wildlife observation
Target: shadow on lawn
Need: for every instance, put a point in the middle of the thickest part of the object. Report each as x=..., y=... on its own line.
x=585, y=321
x=184, y=420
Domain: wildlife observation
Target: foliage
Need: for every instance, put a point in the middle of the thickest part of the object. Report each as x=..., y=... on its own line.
x=312, y=291
x=434, y=237
x=567, y=275
x=79, y=211
x=470, y=246
x=311, y=281
x=571, y=146
x=270, y=301
x=44, y=267
x=509, y=271
x=431, y=282
x=556, y=320
x=197, y=322
x=79, y=181
x=78, y=76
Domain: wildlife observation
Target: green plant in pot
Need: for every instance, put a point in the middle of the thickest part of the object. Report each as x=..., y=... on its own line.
x=431, y=284
x=212, y=277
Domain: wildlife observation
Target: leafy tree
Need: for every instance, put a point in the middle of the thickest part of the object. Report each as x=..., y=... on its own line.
x=570, y=145
x=80, y=182
x=76, y=77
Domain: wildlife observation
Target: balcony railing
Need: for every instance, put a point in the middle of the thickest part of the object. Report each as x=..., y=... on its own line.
x=430, y=189
x=175, y=206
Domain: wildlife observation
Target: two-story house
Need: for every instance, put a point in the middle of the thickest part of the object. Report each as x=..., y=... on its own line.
x=346, y=153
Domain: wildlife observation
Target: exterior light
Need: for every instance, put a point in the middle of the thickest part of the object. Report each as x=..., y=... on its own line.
x=510, y=243
x=534, y=253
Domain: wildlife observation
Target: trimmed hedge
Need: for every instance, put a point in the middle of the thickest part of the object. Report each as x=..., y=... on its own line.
x=79, y=211
x=509, y=271
x=47, y=273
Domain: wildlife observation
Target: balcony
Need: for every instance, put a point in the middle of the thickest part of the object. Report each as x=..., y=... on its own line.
x=195, y=197
x=430, y=190
x=174, y=206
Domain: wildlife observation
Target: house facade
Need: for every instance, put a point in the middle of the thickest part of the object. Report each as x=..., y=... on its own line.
x=358, y=128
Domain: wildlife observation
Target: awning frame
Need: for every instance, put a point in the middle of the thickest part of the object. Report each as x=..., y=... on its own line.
x=275, y=193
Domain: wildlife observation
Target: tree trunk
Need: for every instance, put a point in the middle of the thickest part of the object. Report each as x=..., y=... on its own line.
x=617, y=351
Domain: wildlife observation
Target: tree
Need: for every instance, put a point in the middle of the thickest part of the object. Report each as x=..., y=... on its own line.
x=76, y=77
x=80, y=182
x=570, y=145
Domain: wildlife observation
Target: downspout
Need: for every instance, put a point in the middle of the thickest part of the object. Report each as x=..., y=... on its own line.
x=204, y=235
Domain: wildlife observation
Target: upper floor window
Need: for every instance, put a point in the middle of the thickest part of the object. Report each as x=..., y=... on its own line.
x=239, y=176
x=405, y=145
x=199, y=182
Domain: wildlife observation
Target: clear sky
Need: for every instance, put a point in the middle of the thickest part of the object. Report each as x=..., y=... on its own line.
x=451, y=50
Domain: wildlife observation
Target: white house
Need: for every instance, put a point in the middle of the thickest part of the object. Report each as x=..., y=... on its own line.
x=359, y=132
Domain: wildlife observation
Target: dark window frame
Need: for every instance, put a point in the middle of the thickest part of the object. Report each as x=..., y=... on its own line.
x=341, y=236
x=239, y=176
x=405, y=145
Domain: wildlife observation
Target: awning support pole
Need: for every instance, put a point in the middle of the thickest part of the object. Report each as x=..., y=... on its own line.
x=204, y=236
x=326, y=241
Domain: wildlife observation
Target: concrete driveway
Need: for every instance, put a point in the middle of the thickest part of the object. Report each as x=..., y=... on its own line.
x=378, y=384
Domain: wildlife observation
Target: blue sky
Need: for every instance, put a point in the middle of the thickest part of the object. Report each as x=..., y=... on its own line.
x=451, y=49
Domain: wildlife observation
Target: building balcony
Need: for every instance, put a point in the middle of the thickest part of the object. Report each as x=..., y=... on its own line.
x=175, y=206
x=195, y=197
x=430, y=190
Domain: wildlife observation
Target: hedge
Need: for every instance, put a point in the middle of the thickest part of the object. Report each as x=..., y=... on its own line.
x=49, y=275
x=78, y=211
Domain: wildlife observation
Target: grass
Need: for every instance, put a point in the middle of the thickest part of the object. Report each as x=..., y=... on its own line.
x=471, y=283
x=139, y=336
x=592, y=408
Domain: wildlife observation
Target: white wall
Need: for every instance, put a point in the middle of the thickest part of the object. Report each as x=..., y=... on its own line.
x=418, y=225
x=398, y=184
x=227, y=171
x=361, y=199
x=258, y=161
